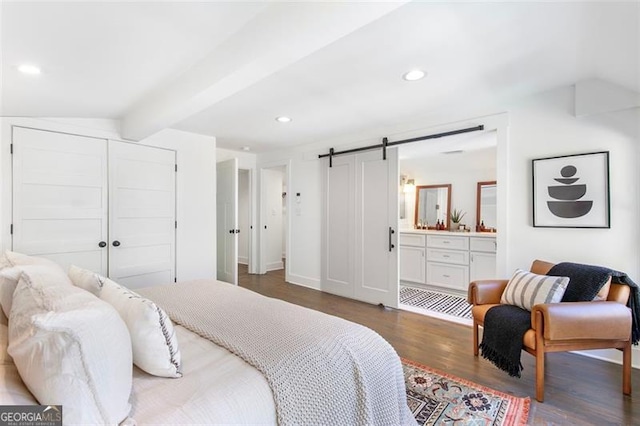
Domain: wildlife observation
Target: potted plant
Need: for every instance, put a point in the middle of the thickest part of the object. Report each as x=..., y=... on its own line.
x=456, y=217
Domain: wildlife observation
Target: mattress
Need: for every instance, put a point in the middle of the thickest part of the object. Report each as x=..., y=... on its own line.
x=217, y=387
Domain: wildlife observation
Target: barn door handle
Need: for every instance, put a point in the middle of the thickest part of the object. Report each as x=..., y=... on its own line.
x=116, y=243
x=391, y=232
x=102, y=244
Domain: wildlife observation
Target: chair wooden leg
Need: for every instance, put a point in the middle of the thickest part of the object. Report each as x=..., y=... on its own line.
x=626, y=369
x=475, y=338
x=540, y=375
x=540, y=359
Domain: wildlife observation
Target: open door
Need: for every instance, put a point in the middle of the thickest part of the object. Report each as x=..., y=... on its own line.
x=359, y=250
x=227, y=218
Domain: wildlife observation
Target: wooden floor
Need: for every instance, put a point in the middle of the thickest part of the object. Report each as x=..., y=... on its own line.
x=579, y=390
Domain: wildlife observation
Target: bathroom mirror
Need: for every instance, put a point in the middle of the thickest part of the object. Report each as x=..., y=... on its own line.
x=486, y=212
x=433, y=204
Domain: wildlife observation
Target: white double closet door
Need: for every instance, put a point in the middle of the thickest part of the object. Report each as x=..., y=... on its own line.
x=106, y=206
x=359, y=232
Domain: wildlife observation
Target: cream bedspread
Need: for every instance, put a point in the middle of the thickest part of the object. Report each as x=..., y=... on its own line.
x=217, y=388
x=321, y=369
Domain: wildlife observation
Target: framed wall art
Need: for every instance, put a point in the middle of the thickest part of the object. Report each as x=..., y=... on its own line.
x=571, y=191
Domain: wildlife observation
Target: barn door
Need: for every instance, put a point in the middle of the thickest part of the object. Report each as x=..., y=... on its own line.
x=60, y=197
x=359, y=250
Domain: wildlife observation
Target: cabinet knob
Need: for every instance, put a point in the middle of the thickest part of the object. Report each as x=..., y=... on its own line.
x=102, y=244
x=116, y=243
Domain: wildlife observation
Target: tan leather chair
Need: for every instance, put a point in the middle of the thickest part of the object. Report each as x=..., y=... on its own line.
x=556, y=327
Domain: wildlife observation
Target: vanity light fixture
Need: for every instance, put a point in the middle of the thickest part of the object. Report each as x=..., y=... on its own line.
x=283, y=119
x=29, y=69
x=414, y=75
x=409, y=186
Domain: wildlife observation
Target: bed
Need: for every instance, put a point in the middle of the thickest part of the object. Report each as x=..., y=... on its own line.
x=202, y=352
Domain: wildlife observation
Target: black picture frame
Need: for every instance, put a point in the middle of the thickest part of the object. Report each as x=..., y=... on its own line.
x=571, y=191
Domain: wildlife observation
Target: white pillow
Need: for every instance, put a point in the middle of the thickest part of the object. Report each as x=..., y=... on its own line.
x=526, y=289
x=71, y=349
x=12, y=389
x=48, y=272
x=153, y=338
x=19, y=259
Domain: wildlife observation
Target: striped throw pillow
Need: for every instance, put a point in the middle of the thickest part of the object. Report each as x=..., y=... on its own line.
x=526, y=289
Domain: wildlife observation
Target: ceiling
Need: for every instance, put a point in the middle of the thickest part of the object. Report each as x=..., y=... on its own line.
x=228, y=69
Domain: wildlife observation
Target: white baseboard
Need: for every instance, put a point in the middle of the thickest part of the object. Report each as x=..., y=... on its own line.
x=243, y=260
x=302, y=281
x=613, y=355
x=274, y=266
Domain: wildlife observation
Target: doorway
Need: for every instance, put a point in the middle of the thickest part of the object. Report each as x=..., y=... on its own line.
x=274, y=221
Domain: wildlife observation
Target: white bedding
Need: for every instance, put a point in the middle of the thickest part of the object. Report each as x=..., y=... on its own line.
x=217, y=387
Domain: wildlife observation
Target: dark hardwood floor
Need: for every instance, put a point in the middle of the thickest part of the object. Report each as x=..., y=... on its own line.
x=578, y=391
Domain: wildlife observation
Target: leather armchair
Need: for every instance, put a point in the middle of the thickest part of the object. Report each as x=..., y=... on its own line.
x=555, y=327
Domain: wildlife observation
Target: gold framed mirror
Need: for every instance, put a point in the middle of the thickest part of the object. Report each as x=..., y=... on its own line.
x=433, y=204
x=486, y=211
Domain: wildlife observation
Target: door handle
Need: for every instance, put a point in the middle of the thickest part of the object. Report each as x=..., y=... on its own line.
x=116, y=243
x=232, y=231
x=391, y=232
x=102, y=244
x=237, y=231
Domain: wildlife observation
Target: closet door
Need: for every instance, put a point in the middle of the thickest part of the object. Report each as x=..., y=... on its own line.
x=60, y=197
x=142, y=214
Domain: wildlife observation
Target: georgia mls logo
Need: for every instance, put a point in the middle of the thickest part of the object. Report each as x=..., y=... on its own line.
x=31, y=415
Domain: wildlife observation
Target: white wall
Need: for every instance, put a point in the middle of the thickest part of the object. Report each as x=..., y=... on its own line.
x=196, y=201
x=462, y=171
x=195, y=186
x=545, y=126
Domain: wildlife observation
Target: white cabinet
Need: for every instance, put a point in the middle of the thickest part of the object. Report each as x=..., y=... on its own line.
x=412, y=258
x=482, y=263
x=446, y=260
x=106, y=206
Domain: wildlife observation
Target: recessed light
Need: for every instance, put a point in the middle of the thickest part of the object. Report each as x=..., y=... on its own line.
x=283, y=119
x=246, y=148
x=414, y=75
x=29, y=69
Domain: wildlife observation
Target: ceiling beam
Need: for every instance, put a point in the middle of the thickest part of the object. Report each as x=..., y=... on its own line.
x=276, y=38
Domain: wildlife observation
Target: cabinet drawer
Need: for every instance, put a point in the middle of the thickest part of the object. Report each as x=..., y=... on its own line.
x=446, y=275
x=448, y=242
x=448, y=256
x=483, y=244
x=415, y=240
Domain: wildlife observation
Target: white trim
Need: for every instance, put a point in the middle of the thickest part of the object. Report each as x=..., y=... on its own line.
x=303, y=281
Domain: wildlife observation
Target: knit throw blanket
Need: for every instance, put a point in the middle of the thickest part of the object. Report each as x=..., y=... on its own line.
x=322, y=370
x=585, y=281
x=504, y=328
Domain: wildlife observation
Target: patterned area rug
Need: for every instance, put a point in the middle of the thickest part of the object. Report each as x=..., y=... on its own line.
x=437, y=398
x=433, y=301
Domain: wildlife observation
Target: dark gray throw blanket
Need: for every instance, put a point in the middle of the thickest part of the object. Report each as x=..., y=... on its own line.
x=504, y=328
x=585, y=281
